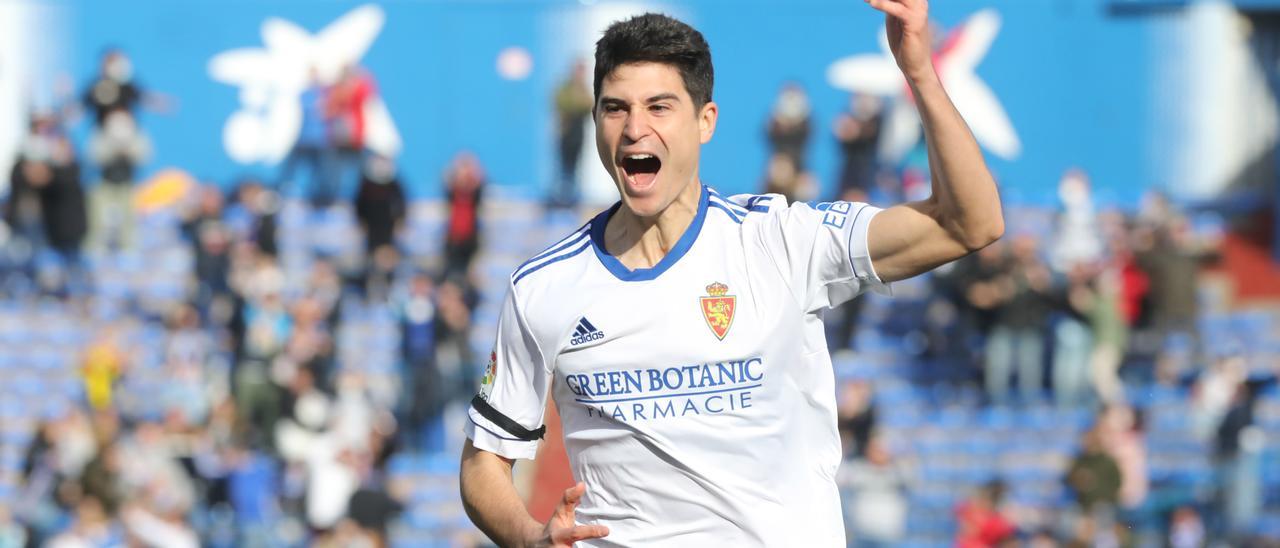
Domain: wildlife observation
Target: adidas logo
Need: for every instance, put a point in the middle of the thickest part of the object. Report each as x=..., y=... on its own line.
x=585, y=333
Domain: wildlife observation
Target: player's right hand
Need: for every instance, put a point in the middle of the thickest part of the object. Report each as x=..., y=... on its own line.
x=561, y=530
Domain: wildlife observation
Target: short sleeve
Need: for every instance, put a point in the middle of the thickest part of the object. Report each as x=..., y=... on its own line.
x=505, y=417
x=822, y=250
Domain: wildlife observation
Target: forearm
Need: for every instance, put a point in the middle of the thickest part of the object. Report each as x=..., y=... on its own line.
x=491, y=501
x=965, y=200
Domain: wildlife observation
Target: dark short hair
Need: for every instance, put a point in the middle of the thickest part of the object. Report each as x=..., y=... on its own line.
x=657, y=38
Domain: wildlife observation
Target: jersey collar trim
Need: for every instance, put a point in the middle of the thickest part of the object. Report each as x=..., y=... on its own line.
x=620, y=271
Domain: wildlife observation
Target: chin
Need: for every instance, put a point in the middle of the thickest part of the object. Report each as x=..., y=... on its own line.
x=643, y=206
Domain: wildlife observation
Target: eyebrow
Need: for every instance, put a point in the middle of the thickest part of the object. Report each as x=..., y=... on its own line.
x=668, y=96
x=663, y=97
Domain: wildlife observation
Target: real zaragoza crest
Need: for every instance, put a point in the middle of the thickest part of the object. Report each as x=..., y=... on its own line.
x=718, y=309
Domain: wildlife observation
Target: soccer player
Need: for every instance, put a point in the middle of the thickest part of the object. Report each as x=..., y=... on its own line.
x=680, y=330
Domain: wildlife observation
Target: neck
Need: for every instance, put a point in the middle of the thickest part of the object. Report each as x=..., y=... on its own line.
x=642, y=242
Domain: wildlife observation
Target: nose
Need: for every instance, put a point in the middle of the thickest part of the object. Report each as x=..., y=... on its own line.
x=636, y=126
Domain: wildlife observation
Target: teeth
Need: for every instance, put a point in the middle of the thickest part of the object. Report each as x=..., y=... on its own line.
x=639, y=156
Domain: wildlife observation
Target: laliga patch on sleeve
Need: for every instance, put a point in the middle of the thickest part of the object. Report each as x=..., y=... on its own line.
x=490, y=371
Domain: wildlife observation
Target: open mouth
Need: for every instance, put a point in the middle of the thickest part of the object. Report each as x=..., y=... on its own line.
x=640, y=169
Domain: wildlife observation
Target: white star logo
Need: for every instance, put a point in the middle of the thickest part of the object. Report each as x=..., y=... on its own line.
x=272, y=78
x=960, y=54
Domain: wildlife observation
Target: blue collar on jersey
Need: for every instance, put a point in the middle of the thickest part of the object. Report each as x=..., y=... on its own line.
x=644, y=274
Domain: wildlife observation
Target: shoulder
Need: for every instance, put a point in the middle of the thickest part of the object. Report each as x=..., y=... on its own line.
x=742, y=207
x=552, y=257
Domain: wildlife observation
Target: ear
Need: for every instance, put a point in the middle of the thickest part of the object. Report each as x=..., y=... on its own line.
x=707, y=121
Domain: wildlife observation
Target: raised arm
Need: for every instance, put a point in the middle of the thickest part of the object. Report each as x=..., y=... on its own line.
x=963, y=213
x=492, y=504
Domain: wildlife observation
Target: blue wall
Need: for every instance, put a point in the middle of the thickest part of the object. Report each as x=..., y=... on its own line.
x=1070, y=73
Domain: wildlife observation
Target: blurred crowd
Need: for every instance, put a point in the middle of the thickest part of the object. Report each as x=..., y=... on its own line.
x=1080, y=314
x=255, y=433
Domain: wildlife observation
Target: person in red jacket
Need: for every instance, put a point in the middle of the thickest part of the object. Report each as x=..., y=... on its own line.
x=981, y=523
x=344, y=109
x=464, y=186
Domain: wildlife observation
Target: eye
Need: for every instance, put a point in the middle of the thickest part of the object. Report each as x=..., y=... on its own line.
x=659, y=108
x=613, y=108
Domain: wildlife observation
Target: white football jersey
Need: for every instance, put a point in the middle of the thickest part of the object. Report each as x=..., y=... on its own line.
x=697, y=397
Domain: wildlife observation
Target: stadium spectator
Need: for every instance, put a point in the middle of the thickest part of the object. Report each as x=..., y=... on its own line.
x=187, y=354
x=1186, y=529
x=1121, y=433
x=371, y=510
x=1094, y=479
x=970, y=286
x=1213, y=393
x=158, y=527
x=1133, y=284
x=842, y=325
x=1172, y=256
x=1091, y=338
x=857, y=131
x=1109, y=333
x=313, y=148
x=262, y=330
x=324, y=287
x=458, y=367
x=380, y=205
x=46, y=209
x=252, y=217
x=210, y=240
x=788, y=127
x=856, y=417
x=187, y=344
x=1076, y=238
x=92, y=526
x=32, y=172
x=1094, y=476
x=118, y=149
x=380, y=275
x=1238, y=457
x=422, y=394
x=1020, y=297
x=103, y=363
x=783, y=177
x=345, y=104
x=981, y=521
x=252, y=483
x=876, y=507
x=1072, y=336
x=116, y=88
x=310, y=344
x=573, y=102
x=464, y=187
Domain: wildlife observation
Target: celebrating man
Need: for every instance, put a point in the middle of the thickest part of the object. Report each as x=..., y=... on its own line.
x=680, y=329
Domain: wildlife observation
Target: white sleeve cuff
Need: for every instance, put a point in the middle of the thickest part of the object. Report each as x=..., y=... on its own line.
x=490, y=437
x=860, y=254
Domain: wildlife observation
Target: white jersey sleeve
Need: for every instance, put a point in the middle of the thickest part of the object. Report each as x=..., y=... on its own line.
x=822, y=250
x=506, y=416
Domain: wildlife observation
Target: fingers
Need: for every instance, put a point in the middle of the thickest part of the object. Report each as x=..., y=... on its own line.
x=569, y=502
x=896, y=8
x=579, y=533
x=574, y=494
x=912, y=4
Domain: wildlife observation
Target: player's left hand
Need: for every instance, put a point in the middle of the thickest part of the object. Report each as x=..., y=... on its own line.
x=907, y=24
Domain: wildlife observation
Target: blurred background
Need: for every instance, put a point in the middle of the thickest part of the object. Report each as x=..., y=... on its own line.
x=252, y=256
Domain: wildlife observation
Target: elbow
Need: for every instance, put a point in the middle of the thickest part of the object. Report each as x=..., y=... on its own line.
x=984, y=235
